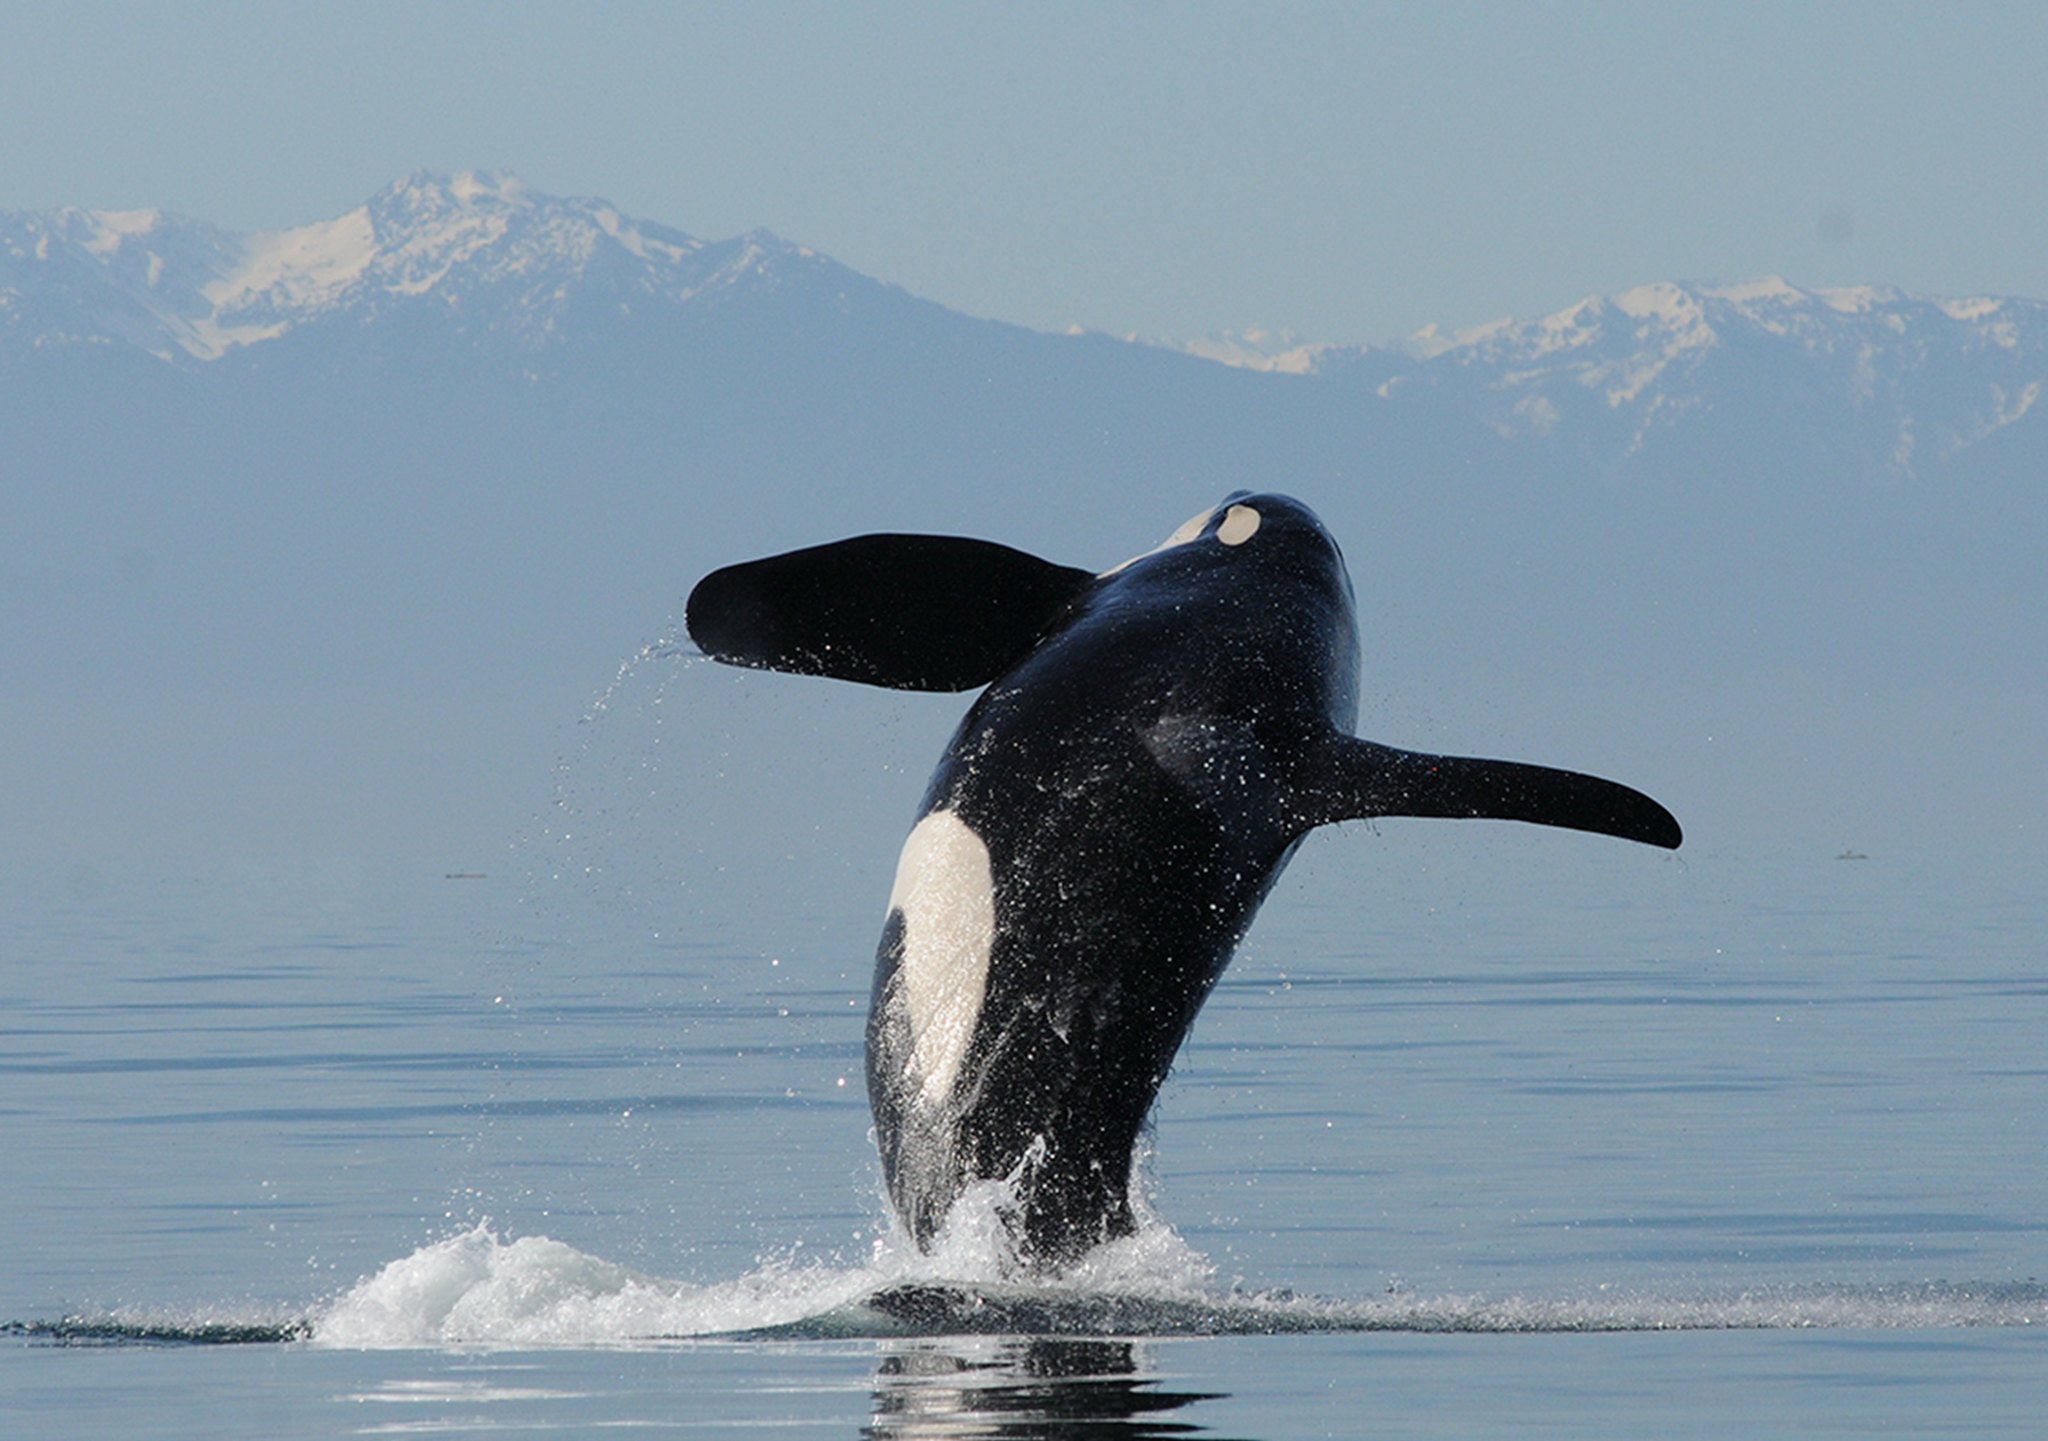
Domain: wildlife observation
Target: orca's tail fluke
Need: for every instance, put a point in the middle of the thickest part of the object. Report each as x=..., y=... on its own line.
x=1353, y=779
x=911, y=612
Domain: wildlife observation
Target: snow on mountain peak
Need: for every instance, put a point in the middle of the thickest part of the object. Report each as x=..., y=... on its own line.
x=1650, y=355
x=470, y=186
x=1278, y=351
x=113, y=227
x=301, y=269
x=1663, y=301
x=1850, y=300
x=172, y=286
x=1768, y=287
x=1975, y=308
x=431, y=192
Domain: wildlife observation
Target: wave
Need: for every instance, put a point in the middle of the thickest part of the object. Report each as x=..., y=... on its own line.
x=480, y=1288
x=477, y=1287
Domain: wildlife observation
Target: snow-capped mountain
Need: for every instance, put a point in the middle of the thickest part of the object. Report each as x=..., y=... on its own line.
x=1931, y=375
x=133, y=278
x=482, y=249
x=1903, y=381
x=1279, y=351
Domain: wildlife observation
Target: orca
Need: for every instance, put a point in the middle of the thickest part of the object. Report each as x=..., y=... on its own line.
x=1152, y=744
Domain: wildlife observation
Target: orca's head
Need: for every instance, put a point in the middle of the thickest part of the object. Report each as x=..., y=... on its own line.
x=1250, y=596
x=1249, y=535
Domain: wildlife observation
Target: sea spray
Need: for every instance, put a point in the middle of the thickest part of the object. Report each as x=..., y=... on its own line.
x=477, y=1288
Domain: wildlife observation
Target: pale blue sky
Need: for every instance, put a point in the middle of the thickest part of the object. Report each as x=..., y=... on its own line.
x=1348, y=172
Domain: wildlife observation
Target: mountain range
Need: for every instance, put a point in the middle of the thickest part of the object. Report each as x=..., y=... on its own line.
x=480, y=254
x=1922, y=379
x=451, y=453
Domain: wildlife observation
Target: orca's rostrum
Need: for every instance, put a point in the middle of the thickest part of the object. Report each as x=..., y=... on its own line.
x=1152, y=745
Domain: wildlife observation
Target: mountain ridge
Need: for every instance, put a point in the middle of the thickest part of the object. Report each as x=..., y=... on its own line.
x=421, y=232
x=448, y=238
x=1908, y=380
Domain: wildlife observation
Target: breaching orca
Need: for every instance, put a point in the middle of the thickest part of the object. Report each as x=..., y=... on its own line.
x=1153, y=743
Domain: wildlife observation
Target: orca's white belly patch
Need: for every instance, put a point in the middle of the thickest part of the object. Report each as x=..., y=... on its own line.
x=946, y=892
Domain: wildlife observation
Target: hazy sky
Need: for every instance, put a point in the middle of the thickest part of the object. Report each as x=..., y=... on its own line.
x=1348, y=172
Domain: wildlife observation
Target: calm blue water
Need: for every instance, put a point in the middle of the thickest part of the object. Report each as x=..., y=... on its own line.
x=1489, y=1129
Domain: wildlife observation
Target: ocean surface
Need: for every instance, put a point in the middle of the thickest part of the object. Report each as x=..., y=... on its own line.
x=1490, y=1130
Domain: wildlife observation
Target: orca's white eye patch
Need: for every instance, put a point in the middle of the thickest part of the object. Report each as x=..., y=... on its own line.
x=1240, y=524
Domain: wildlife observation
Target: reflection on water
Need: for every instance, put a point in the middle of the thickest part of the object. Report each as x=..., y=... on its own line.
x=1026, y=1387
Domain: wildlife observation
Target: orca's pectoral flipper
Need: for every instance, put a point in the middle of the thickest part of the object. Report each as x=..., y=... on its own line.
x=1353, y=779
x=912, y=612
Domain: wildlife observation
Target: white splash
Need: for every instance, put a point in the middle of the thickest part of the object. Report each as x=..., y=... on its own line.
x=481, y=1288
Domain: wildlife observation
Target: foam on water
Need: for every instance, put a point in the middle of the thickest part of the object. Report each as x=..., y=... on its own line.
x=481, y=1288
